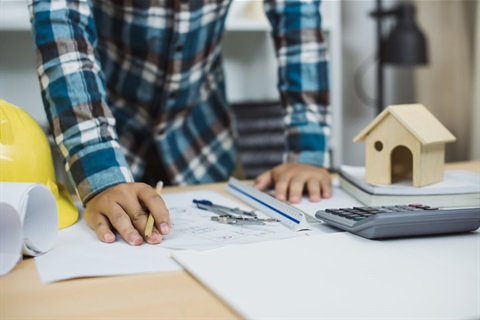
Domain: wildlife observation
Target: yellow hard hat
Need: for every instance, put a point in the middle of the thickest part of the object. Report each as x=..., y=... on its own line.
x=25, y=156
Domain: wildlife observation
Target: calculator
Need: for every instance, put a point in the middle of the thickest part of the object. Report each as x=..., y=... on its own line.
x=401, y=220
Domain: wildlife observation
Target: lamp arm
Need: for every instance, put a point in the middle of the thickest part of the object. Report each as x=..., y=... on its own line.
x=377, y=14
x=380, y=61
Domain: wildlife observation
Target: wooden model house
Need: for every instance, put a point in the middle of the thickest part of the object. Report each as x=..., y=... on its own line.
x=405, y=142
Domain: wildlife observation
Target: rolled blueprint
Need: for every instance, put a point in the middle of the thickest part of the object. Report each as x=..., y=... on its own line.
x=10, y=238
x=36, y=206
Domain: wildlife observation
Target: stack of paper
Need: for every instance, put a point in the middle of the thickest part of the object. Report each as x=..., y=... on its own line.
x=458, y=189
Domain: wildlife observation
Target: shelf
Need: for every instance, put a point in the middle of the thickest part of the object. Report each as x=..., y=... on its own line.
x=246, y=24
x=251, y=25
x=239, y=21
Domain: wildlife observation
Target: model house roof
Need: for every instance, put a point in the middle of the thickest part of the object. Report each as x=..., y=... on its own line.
x=416, y=119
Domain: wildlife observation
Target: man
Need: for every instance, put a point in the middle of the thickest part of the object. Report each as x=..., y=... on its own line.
x=134, y=91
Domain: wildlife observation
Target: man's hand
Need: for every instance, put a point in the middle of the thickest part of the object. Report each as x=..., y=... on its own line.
x=125, y=208
x=293, y=178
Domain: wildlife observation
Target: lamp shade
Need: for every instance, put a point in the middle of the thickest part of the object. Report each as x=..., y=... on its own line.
x=406, y=44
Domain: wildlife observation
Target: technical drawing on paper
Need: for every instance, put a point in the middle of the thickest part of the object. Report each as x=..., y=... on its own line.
x=185, y=220
x=192, y=228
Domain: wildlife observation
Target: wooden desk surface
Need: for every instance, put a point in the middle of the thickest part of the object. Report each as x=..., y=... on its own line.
x=169, y=295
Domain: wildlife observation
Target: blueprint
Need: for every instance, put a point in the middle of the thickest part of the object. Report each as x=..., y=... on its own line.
x=192, y=228
x=86, y=256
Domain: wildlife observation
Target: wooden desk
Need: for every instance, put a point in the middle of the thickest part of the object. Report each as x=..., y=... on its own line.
x=170, y=295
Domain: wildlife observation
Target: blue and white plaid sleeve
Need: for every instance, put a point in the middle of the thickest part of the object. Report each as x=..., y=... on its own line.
x=303, y=78
x=73, y=93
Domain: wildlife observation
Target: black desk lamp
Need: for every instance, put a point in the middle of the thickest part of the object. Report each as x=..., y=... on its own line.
x=405, y=45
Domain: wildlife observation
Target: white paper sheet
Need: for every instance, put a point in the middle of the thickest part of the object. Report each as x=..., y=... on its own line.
x=79, y=253
x=192, y=228
x=342, y=276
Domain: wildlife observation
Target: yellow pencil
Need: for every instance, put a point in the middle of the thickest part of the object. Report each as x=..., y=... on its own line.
x=150, y=221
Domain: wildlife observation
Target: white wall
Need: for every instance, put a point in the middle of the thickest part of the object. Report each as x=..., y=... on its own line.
x=359, y=44
x=18, y=79
x=250, y=66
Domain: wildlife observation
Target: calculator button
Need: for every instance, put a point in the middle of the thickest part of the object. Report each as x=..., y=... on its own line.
x=366, y=211
x=366, y=215
x=335, y=211
x=354, y=211
x=388, y=211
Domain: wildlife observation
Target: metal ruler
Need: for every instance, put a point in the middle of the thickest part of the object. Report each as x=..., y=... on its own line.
x=289, y=216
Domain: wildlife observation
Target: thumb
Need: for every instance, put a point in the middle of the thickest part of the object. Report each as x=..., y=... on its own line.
x=264, y=180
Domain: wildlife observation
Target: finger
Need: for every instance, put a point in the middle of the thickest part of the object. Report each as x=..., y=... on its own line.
x=326, y=186
x=101, y=225
x=313, y=187
x=156, y=206
x=295, y=189
x=121, y=221
x=155, y=237
x=137, y=213
x=281, y=187
x=264, y=180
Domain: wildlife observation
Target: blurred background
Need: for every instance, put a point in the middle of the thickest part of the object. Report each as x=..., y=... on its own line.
x=448, y=85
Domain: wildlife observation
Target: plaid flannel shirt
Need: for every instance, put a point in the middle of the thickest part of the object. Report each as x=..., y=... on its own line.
x=122, y=78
